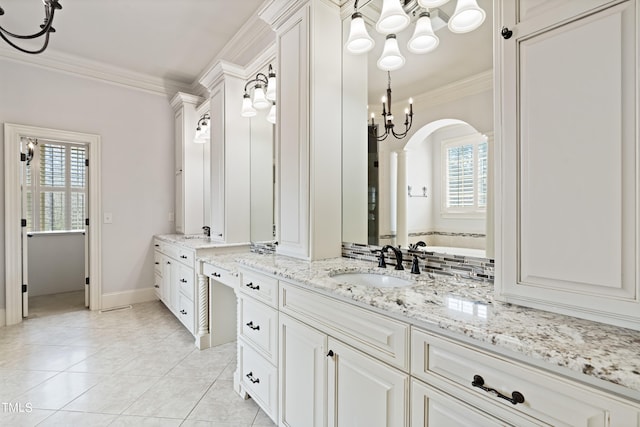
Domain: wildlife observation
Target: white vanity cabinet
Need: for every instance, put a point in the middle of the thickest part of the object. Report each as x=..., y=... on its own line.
x=460, y=371
x=189, y=171
x=365, y=368
x=257, y=373
x=567, y=185
x=178, y=281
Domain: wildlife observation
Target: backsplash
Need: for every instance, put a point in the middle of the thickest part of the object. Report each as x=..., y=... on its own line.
x=453, y=265
x=264, y=248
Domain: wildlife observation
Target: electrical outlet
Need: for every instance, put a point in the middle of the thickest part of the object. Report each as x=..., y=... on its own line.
x=108, y=218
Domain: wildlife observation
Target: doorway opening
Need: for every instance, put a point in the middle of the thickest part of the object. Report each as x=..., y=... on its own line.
x=52, y=190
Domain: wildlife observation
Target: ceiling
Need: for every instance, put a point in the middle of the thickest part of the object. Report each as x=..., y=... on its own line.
x=166, y=39
x=177, y=40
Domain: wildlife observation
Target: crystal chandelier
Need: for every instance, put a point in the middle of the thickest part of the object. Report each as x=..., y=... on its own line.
x=50, y=7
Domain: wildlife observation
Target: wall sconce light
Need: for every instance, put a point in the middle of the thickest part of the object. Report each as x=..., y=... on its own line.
x=203, y=130
x=264, y=95
x=31, y=147
x=50, y=7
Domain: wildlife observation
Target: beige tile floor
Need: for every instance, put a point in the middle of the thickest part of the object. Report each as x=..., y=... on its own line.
x=68, y=366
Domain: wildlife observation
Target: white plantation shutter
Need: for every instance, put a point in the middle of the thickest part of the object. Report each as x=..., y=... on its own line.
x=56, y=198
x=465, y=183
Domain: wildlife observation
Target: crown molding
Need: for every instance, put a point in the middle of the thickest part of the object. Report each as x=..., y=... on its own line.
x=261, y=62
x=217, y=73
x=242, y=41
x=276, y=12
x=97, y=71
x=473, y=85
x=182, y=98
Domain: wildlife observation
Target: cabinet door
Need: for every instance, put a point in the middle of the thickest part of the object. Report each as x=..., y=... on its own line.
x=217, y=164
x=567, y=115
x=167, y=282
x=303, y=373
x=363, y=391
x=432, y=408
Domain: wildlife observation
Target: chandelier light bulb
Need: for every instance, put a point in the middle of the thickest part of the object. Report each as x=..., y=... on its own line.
x=259, y=99
x=431, y=3
x=359, y=39
x=467, y=17
x=393, y=18
x=271, y=117
x=391, y=58
x=247, y=107
x=424, y=40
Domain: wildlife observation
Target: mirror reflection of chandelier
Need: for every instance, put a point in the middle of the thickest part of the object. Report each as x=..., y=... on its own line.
x=387, y=117
x=394, y=18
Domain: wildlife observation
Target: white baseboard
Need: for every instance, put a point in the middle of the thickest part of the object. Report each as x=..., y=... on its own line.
x=3, y=317
x=118, y=299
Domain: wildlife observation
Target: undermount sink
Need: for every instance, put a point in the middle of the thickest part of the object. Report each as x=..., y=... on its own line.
x=372, y=280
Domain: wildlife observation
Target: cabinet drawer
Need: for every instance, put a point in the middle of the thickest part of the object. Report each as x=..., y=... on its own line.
x=549, y=398
x=185, y=256
x=384, y=338
x=185, y=312
x=157, y=262
x=157, y=285
x=259, y=326
x=184, y=278
x=260, y=287
x=221, y=275
x=259, y=378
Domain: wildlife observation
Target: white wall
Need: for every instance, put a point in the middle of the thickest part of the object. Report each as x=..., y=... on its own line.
x=56, y=263
x=137, y=159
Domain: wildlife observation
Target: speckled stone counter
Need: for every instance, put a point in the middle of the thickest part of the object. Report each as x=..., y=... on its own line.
x=197, y=241
x=466, y=310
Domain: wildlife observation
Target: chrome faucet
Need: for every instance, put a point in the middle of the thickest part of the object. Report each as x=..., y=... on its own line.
x=397, y=252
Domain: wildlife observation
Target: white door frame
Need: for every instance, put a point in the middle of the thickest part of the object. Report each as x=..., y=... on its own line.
x=12, y=213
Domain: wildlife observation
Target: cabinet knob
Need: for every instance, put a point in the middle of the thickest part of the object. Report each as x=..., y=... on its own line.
x=183, y=256
x=516, y=396
x=156, y=286
x=183, y=281
x=330, y=353
x=183, y=312
x=506, y=33
x=215, y=274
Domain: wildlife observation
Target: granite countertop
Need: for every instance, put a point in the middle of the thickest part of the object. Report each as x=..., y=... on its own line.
x=465, y=308
x=196, y=241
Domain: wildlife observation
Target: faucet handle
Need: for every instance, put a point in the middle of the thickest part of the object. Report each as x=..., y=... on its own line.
x=382, y=263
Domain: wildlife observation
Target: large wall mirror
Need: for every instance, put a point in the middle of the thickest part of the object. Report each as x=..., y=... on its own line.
x=435, y=183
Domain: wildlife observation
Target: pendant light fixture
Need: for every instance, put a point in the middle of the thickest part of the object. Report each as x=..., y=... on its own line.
x=50, y=7
x=387, y=116
x=424, y=40
x=264, y=95
x=391, y=58
x=467, y=17
x=395, y=16
x=359, y=40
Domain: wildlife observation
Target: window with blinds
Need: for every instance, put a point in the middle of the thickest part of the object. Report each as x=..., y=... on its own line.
x=56, y=187
x=465, y=162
